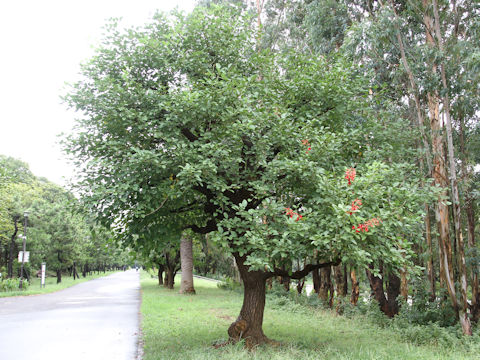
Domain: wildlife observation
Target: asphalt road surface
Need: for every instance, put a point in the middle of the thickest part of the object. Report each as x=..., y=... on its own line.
x=97, y=319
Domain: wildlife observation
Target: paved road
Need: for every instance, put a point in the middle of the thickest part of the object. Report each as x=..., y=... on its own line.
x=98, y=319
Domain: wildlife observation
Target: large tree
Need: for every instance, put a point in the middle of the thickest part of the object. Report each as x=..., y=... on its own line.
x=189, y=123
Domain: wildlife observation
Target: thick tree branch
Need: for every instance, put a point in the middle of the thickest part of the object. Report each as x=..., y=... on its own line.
x=209, y=227
x=189, y=135
x=301, y=273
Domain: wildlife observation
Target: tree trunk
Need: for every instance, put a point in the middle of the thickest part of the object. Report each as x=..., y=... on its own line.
x=470, y=212
x=355, y=287
x=12, y=248
x=404, y=283
x=161, y=269
x=300, y=285
x=59, y=276
x=440, y=178
x=389, y=306
x=345, y=280
x=430, y=268
x=326, y=287
x=393, y=290
x=464, y=319
x=248, y=325
x=169, y=278
x=316, y=280
x=339, y=284
x=186, y=259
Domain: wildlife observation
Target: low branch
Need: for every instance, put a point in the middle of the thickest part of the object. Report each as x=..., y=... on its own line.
x=209, y=227
x=301, y=273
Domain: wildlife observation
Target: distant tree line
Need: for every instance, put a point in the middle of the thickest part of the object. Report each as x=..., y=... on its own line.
x=58, y=232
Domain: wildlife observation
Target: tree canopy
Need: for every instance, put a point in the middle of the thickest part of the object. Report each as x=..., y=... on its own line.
x=188, y=123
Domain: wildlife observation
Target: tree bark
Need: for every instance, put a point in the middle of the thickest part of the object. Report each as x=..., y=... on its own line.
x=12, y=248
x=430, y=266
x=393, y=290
x=464, y=319
x=248, y=325
x=355, y=287
x=169, y=278
x=59, y=276
x=339, y=283
x=316, y=280
x=345, y=280
x=404, y=283
x=470, y=211
x=186, y=259
x=171, y=269
x=389, y=306
x=161, y=269
x=326, y=287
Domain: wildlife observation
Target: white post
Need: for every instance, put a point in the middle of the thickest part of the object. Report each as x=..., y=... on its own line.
x=42, y=281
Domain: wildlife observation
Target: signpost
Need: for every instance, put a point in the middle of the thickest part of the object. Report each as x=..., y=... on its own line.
x=20, y=256
x=42, y=282
x=25, y=216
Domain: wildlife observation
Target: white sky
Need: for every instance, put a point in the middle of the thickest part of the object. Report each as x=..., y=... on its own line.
x=42, y=43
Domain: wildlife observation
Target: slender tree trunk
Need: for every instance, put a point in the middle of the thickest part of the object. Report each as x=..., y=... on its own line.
x=355, y=287
x=248, y=325
x=404, y=283
x=469, y=210
x=464, y=319
x=430, y=268
x=12, y=248
x=186, y=259
x=59, y=276
x=440, y=178
x=161, y=269
x=171, y=269
x=316, y=280
x=300, y=285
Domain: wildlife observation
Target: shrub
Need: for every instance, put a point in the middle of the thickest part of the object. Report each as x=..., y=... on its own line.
x=12, y=285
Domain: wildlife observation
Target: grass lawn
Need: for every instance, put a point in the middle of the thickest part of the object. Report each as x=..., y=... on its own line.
x=51, y=285
x=185, y=327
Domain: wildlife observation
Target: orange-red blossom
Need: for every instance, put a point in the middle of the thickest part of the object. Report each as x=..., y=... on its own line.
x=291, y=213
x=367, y=225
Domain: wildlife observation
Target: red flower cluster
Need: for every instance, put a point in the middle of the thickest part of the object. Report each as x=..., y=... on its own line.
x=291, y=213
x=366, y=225
x=350, y=175
x=307, y=144
x=355, y=206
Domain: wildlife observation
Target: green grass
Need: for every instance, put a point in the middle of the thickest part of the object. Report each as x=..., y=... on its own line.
x=185, y=327
x=51, y=285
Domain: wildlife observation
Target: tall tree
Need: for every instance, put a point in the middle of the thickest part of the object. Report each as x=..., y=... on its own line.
x=189, y=120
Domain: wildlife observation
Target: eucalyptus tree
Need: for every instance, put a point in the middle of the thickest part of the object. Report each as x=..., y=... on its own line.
x=186, y=124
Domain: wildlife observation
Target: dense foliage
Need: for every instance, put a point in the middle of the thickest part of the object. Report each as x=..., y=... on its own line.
x=189, y=123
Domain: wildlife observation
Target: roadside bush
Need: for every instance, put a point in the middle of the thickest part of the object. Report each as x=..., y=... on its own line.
x=12, y=285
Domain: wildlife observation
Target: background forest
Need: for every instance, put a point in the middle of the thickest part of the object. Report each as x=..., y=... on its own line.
x=58, y=232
